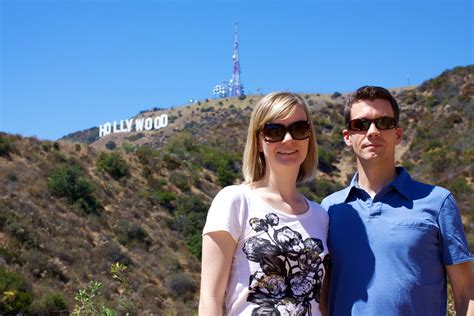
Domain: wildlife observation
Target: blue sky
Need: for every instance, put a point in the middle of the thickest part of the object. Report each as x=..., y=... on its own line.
x=68, y=65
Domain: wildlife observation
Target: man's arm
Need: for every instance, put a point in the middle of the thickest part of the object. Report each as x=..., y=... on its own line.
x=324, y=297
x=462, y=282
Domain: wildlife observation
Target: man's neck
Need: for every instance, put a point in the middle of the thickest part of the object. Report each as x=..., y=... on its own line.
x=373, y=177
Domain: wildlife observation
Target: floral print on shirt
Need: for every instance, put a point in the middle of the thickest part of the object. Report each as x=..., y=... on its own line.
x=291, y=272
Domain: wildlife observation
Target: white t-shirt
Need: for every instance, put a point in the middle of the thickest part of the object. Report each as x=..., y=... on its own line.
x=278, y=262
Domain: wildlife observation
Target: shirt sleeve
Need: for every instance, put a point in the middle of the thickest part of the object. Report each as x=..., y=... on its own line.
x=454, y=247
x=224, y=212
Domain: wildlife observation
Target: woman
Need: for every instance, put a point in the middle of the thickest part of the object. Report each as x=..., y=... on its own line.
x=264, y=243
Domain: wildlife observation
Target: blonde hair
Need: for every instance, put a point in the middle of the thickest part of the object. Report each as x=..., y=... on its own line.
x=271, y=107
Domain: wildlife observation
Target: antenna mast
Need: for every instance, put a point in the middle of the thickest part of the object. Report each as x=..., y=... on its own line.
x=236, y=88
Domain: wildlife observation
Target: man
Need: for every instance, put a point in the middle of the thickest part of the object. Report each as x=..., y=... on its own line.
x=392, y=240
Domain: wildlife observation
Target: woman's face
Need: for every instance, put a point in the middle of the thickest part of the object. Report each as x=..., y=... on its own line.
x=289, y=153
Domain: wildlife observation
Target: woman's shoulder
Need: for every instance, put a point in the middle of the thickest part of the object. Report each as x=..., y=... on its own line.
x=232, y=193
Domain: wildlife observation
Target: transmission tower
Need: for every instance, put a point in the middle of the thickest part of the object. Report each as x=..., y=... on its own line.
x=236, y=87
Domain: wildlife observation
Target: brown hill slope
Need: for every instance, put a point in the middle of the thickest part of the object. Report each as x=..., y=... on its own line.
x=69, y=210
x=64, y=222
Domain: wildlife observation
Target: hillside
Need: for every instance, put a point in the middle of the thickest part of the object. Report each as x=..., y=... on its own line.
x=72, y=208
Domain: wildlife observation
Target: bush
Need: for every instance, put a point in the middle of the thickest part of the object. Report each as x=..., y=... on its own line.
x=132, y=233
x=336, y=95
x=5, y=146
x=128, y=147
x=112, y=253
x=20, y=232
x=180, y=179
x=432, y=101
x=326, y=160
x=146, y=155
x=110, y=145
x=181, y=286
x=69, y=182
x=16, y=293
x=165, y=198
x=113, y=164
x=48, y=304
x=189, y=219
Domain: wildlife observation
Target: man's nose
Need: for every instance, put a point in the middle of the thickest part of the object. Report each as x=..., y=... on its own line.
x=373, y=131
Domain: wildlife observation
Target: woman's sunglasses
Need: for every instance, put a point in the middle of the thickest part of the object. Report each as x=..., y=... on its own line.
x=362, y=124
x=274, y=132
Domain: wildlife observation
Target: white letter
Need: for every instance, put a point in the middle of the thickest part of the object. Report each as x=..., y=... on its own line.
x=114, y=130
x=129, y=124
x=164, y=120
x=156, y=123
x=139, y=125
x=148, y=123
x=104, y=129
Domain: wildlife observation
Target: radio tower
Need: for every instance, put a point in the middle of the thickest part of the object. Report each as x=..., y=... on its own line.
x=236, y=88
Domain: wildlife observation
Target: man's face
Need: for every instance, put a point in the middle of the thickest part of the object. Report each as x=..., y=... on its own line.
x=374, y=144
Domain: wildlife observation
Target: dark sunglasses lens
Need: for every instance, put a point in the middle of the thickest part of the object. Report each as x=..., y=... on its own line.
x=359, y=125
x=273, y=132
x=299, y=130
x=385, y=123
x=276, y=132
x=382, y=123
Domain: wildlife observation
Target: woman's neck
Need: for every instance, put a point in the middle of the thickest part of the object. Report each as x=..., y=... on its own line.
x=279, y=191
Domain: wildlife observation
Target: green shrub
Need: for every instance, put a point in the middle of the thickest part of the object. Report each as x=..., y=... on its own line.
x=70, y=182
x=113, y=253
x=16, y=293
x=110, y=145
x=132, y=233
x=128, y=147
x=179, y=285
x=172, y=162
x=180, y=179
x=49, y=303
x=5, y=146
x=20, y=232
x=165, y=198
x=432, y=101
x=189, y=219
x=113, y=164
x=326, y=160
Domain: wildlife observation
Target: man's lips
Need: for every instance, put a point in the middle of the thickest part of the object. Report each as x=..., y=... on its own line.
x=371, y=145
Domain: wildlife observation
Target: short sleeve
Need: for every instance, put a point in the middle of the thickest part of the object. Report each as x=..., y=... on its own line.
x=454, y=246
x=224, y=212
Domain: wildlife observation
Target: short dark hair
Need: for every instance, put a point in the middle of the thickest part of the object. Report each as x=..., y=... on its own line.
x=370, y=93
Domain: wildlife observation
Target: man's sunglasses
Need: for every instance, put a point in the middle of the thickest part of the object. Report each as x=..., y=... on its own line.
x=274, y=132
x=363, y=124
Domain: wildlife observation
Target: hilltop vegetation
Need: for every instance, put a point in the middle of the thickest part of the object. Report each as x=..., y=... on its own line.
x=70, y=209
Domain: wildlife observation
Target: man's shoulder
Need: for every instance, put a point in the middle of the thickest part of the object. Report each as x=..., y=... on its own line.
x=422, y=189
x=335, y=198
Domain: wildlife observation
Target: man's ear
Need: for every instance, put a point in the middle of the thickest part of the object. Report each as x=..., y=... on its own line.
x=347, y=137
x=398, y=135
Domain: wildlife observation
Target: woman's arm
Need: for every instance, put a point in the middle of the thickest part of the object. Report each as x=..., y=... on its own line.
x=217, y=252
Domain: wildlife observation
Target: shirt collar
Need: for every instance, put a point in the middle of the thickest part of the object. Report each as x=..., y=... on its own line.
x=402, y=183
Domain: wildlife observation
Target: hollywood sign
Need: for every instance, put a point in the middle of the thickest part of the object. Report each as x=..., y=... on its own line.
x=138, y=125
